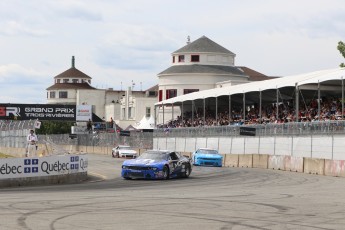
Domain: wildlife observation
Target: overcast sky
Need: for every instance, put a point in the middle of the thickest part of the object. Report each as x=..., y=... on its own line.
x=117, y=41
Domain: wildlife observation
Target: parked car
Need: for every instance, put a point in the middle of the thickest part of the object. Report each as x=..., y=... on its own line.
x=206, y=156
x=123, y=151
x=157, y=164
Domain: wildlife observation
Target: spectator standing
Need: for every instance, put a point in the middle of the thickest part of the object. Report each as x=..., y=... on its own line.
x=31, y=144
x=89, y=126
x=111, y=123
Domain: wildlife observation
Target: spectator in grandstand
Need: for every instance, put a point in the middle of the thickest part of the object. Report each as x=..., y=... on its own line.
x=31, y=144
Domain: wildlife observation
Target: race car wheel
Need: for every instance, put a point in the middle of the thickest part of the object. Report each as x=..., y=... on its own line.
x=112, y=154
x=187, y=171
x=165, y=172
x=127, y=178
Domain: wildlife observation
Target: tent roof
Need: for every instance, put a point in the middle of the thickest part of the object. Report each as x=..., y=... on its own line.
x=288, y=81
x=146, y=123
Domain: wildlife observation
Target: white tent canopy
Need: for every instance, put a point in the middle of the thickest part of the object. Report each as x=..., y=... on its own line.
x=146, y=123
x=276, y=83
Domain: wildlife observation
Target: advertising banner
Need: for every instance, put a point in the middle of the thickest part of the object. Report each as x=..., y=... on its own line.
x=42, y=166
x=37, y=111
x=247, y=131
x=84, y=113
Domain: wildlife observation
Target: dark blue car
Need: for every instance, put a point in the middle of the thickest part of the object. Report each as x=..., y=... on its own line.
x=157, y=164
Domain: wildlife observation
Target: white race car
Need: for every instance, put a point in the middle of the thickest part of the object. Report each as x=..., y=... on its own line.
x=123, y=151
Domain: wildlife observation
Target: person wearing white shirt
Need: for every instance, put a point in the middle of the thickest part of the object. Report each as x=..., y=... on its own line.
x=32, y=141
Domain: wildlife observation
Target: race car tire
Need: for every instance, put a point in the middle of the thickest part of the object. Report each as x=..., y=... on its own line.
x=187, y=171
x=112, y=154
x=127, y=178
x=165, y=172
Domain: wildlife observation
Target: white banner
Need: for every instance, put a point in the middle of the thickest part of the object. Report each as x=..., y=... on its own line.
x=42, y=166
x=84, y=113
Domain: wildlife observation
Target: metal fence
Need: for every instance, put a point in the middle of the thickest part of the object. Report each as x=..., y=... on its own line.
x=13, y=133
x=135, y=140
x=288, y=129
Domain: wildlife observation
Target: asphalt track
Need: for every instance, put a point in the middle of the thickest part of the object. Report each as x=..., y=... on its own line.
x=212, y=198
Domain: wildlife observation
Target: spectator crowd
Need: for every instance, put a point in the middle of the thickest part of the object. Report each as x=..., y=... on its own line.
x=330, y=109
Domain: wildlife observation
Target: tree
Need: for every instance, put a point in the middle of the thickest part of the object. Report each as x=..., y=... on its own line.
x=341, y=48
x=55, y=127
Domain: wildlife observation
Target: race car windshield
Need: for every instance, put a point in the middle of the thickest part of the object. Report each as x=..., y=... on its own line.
x=153, y=156
x=207, y=151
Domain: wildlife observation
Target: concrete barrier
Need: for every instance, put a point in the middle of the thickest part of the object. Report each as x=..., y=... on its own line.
x=231, y=160
x=335, y=168
x=260, y=161
x=293, y=164
x=314, y=166
x=276, y=162
x=33, y=181
x=245, y=160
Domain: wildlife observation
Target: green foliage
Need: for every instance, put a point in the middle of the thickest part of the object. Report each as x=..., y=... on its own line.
x=341, y=48
x=54, y=127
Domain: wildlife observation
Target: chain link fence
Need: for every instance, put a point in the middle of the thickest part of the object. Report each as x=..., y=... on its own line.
x=13, y=133
x=292, y=128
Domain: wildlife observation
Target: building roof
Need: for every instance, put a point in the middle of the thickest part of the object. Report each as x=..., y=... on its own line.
x=70, y=86
x=153, y=88
x=203, y=45
x=254, y=75
x=200, y=69
x=72, y=73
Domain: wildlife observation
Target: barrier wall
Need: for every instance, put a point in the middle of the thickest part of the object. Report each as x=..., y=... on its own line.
x=43, y=170
x=260, y=161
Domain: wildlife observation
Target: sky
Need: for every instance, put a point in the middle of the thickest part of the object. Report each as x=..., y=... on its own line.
x=117, y=42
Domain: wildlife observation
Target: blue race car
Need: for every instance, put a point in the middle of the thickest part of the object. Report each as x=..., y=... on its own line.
x=208, y=157
x=157, y=164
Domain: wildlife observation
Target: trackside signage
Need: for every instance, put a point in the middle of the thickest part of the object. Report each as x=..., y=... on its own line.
x=42, y=166
x=37, y=111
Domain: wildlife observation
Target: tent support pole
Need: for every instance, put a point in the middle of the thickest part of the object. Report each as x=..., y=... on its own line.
x=216, y=111
x=192, y=113
x=182, y=113
x=342, y=98
x=297, y=101
x=172, y=112
x=230, y=115
x=277, y=105
x=260, y=105
x=319, y=102
x=244, y=107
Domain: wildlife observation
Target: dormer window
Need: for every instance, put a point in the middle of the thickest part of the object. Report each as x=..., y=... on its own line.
x=75, y=80
x=173, y=59
x=195, y=58
x=57, y=80
x=65, y=80
x=180, y=58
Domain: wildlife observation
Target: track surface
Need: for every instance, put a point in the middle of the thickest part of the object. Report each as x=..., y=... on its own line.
x=212, y=198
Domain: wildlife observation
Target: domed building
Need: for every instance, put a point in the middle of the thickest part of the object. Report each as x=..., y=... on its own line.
x=66, y=85
x=200, y=65
x=125, y=107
